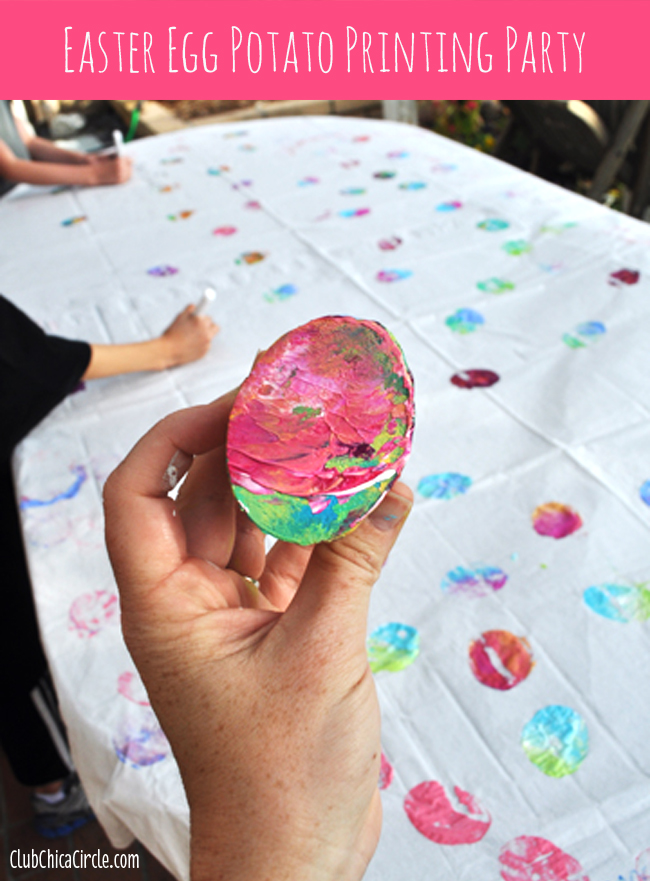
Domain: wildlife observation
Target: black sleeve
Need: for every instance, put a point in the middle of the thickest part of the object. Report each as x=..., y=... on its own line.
x=37, y=371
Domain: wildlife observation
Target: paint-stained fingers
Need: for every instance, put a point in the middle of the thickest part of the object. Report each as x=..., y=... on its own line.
x=207, y=509
x=285, y=566
x=248, y=552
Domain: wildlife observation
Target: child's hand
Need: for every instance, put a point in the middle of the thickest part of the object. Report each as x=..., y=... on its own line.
x=109, y=170
x=188, y=337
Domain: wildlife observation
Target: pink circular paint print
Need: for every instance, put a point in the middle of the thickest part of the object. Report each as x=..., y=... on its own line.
x=445, y=819
x=555, y=520
x=91, y=612
x=500, y=660
x=528, y=858
x=130, y=686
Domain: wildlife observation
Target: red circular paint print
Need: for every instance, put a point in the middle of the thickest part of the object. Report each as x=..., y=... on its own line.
x=474, y=378
x=535, y=859
x=555, y=520
x=445, y=819
x=500, y=660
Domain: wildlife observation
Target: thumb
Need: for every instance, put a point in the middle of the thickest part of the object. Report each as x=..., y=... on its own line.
x=331, y=605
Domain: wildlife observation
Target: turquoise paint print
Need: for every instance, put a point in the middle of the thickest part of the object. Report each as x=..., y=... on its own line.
x=449, y=206
x=280, y=294
x=556, y=740
x=584, y=334
x=354, y=212
x=446, y=485
x=644, y=492
x=390, y=275
x=478, y=580
x=619, y=602
x=393, y=647
x=517, y=247
x=412, y=185
x=495, y=286
x=465, y=321
x=353, y=191
x=493, y=224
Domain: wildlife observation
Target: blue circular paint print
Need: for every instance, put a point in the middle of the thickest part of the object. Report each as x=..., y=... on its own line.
x=644, y=492
x=493, y=224
x=465, y=321
x=449, y=206
x=556, y=740
x=446, y=485
x=393, y=647
x=479, y=581
x=619, y=602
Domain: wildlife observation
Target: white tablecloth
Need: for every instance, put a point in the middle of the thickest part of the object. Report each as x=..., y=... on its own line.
x=473, y=265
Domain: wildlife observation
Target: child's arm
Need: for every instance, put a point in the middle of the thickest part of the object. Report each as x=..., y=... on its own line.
x=45, y=151
x=186, y=339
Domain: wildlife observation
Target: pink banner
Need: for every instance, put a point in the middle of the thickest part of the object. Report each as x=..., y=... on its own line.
x=263, y=49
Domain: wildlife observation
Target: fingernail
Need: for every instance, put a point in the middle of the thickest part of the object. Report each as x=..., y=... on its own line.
x=176, y=469
x=392, y=511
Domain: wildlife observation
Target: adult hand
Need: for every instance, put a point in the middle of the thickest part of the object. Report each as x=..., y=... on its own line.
x=264, y=692
x=109, y=170
x=188, y=337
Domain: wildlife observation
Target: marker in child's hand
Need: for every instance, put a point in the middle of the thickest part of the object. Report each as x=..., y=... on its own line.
x=118, y=140
x=209, y=295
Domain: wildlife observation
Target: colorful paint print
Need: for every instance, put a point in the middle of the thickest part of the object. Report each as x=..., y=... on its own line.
x=500, y=660
x=556, y=740
x=644, y=492
x=529, y=858
x=224, y=231
x=397, y=154
x=495, y=285
x=141, y=743
x=250, y=257
x=350, y=163
x=389, y=244
x=308, y=181
x=162, y=271
x=169, y=188
x=517, y=247
x=556, y=520
x=384, y=175
x=493, y=224
x=130, y=686
x=558, y=228
x=180, y=215
x=446, y=485
x=280, y=294
x=583, y=334
x=412, y=185
x=478, y=581
x=393, y=647
x=465, y=321
x=624, y=277
x=619, y=602
x=217, y=171
x=352, y=191
x=72, y=221
x=385, y=773
x=475, y=378
x=390, y=275
x=90, y=613
x=171, y=160
x=321, y=429
x=253, y=205
x=354, y=212
x=445, y=818
x=80, y=477
x=444, y=167
x=449, y=206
